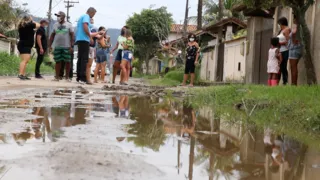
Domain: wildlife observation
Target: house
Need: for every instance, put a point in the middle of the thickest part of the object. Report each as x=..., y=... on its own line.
x=260, y=27
x=227, y=61
x=176, y=31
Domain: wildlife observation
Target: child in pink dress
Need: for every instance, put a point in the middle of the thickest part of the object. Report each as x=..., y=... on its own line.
x=274, y=61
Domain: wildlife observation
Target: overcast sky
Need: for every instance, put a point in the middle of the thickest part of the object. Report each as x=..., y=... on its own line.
x=111, y=13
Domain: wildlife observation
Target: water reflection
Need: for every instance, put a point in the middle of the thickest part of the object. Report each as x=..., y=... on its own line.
x=211, y=147
x=192, y=143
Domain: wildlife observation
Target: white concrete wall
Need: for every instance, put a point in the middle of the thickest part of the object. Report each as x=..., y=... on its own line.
x=207, y=66
x=233, y=60
x=5, y=46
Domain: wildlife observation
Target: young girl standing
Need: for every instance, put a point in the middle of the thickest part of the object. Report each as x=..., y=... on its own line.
x=127, y=56
x=274, y=61
x=101, y=61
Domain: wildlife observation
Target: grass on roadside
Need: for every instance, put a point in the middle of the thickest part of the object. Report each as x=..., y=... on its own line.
x=10, y=66
x=173, y=78
x=294, y=111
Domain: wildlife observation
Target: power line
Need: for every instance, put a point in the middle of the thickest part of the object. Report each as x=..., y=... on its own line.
x=69, y=5
x=40, y=8
x=57, y=4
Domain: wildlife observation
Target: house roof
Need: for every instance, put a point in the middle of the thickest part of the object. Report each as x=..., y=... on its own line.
x=3, y=36
x=223, y=22
x=179, y=28
x=198, y=33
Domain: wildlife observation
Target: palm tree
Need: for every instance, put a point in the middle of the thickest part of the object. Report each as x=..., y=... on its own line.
x=212, y=10
x=199, y=20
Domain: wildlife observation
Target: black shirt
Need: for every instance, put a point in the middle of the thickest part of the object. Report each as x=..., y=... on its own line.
x=42, y=32
x=26, y=34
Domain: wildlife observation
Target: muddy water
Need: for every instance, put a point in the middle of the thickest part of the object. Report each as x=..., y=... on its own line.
x=183, y=142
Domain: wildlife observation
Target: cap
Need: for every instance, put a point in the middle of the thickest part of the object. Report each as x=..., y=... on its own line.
x=44, y=21
x=60, y=13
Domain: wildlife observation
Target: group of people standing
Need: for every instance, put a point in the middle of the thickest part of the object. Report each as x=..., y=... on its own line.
x=93, y=45
x=285, y=48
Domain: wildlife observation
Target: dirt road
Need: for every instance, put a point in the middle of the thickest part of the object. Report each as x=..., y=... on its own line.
x=39, y=139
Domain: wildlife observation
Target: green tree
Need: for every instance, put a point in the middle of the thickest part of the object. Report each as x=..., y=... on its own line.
x=150, y=28
x=299, y=8
x=9, y=18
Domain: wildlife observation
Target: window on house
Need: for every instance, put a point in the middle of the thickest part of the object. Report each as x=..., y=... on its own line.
x=239, y=66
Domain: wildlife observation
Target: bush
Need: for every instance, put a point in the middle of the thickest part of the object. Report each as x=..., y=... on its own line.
x=10, y=65
x=175, y=75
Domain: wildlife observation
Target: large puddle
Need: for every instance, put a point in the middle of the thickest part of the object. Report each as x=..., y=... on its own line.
x=190, y=143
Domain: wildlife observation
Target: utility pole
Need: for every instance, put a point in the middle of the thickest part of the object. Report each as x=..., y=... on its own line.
x=199, y=20
x=49, y=25
x=69, y=5
x=185, y=25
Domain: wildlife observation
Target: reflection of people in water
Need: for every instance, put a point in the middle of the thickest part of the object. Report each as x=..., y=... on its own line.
x=283, y=150
x=115, y=104
x=22, y=137
x=36, y=123
x=189, y=121
x=124, y=107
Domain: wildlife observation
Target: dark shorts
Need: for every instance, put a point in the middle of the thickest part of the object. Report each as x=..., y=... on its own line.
x=190, y=67
x=24, y=49
x=127, y=55
x=62, y=55
x=119, y=55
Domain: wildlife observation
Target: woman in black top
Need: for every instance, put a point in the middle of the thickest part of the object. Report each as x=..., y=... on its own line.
x=26, y=41
x=191, y=59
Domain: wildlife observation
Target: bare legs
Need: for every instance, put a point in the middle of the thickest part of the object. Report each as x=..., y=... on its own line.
x=185, y=78
x=124, y=75
x=128, y=72
x=23, y=65
x=294, y=71
x=88, y=70
x=192, y=79
x=58, y=70
x=116, y=67
x=103, y=71
x=96, y=72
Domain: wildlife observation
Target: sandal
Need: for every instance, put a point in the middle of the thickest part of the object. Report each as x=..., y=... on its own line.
x=190, y=85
